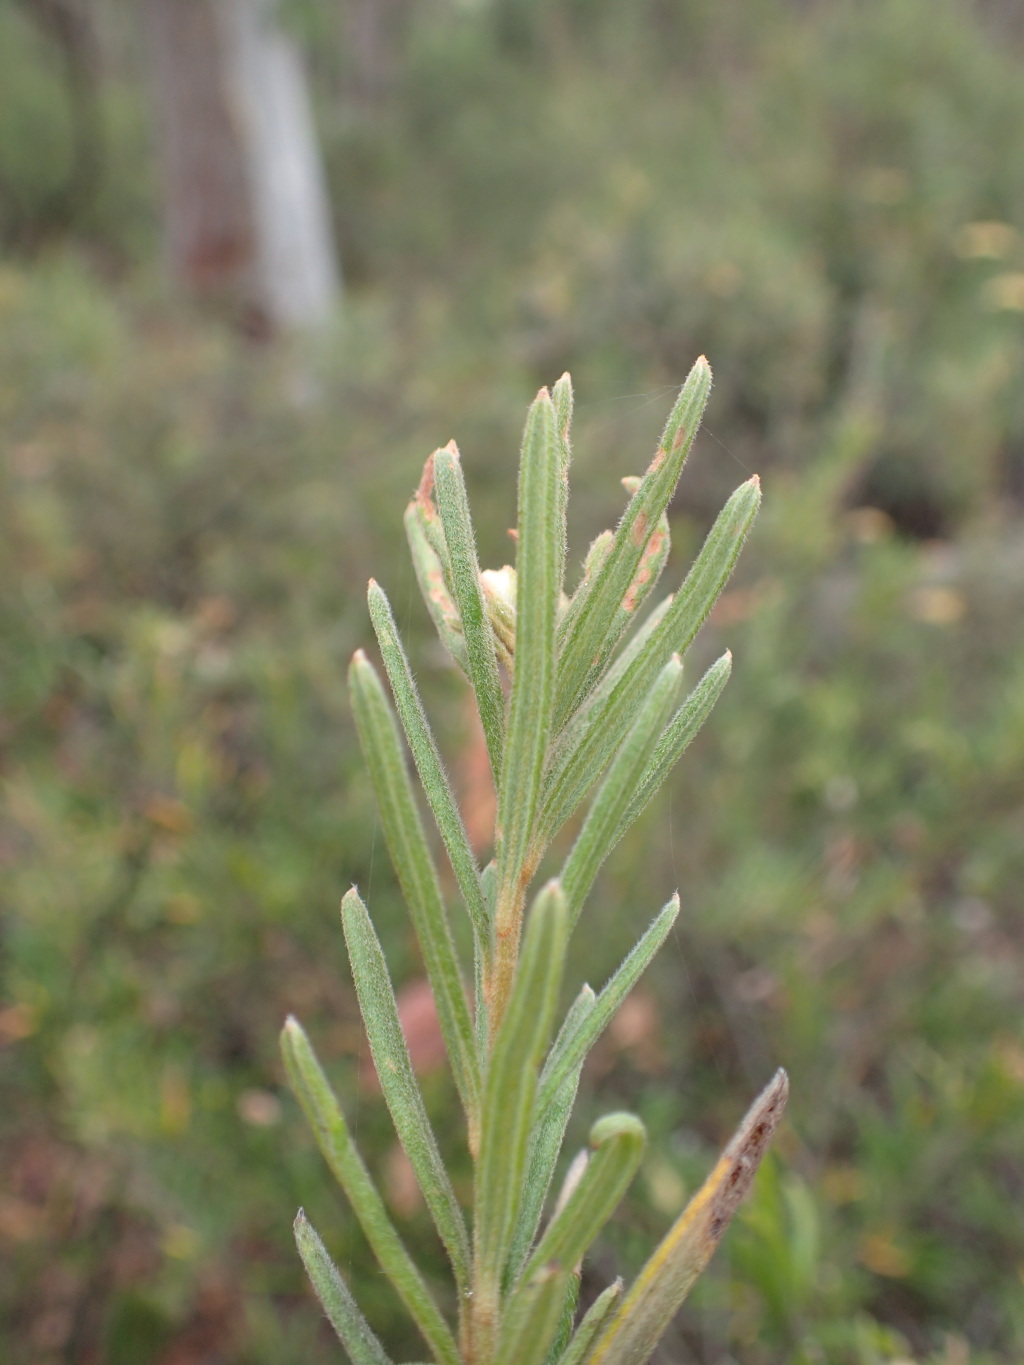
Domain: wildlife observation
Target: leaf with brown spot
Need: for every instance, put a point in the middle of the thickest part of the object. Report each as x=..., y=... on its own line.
x=666, y=1279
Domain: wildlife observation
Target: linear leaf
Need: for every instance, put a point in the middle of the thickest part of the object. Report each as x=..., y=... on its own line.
x=539, y=559
x=648, y=572
x=593, y=1321
x=600, y=548
x=546, y=1144
x=354, y=1332
x=508, y=1102
x=566, y=1319
x=638, y=522
x=414, y=867
x=571, y=1050
x=678, y=733
x=562, y=771
x=533, y=1318
x=562, y=399
x=617, y=1144
x=586, y=746
x=539, y=556
x=713, y=566
x=600, y=830
x=489, y=885
x=398, y=1081
x=325, y=1118
x=453, y=504
x=666, y=1279
x=427, y=759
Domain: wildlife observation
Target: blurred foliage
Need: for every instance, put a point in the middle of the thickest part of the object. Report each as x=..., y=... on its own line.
x=826, y=200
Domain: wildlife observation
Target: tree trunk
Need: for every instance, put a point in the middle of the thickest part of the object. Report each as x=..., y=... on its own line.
x=247, y=219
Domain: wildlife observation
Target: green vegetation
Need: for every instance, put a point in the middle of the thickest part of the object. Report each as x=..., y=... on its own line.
x=581, y=715
x=826, y=200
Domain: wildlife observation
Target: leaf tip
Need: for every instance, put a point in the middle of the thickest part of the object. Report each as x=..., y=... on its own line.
x=619, y=1126
x=743, y=1155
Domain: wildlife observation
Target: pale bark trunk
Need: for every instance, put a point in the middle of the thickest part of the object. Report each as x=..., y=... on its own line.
x=296, y=266
x=246, y=212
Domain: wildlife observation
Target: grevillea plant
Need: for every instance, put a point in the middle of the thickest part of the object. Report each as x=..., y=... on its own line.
x=578, y=698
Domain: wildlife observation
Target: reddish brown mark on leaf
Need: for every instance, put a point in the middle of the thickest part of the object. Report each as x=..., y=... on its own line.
x=643, y=575
x=424, y=493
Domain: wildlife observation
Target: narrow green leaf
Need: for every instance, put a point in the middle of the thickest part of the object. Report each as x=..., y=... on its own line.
x=639, y=520
x=546, y=1143
x=572, y=1049
x=648, y=572
x=489, y=886
x=325, y=1118
x=713, y=567
x=566, y=1319
x=600, y=548
x=567, y=780
x=678, y=733
x=453, y=505
x=562, y=399
x=414, y=867
x=593, y=1321
x=533, y=1318
x=433, y=571
x=398, y=1081
x=508, y=1103
x=354, y=1332
x=539, y=557
x=428, y=760
x=586, y=746
x=601, y=829
x=616, y=1146
x=666, y=1279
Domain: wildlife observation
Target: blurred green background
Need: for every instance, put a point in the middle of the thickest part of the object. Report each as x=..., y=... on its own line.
x=825, y=198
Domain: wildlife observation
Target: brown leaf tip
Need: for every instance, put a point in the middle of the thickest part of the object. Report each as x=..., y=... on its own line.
x=746, y=1150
